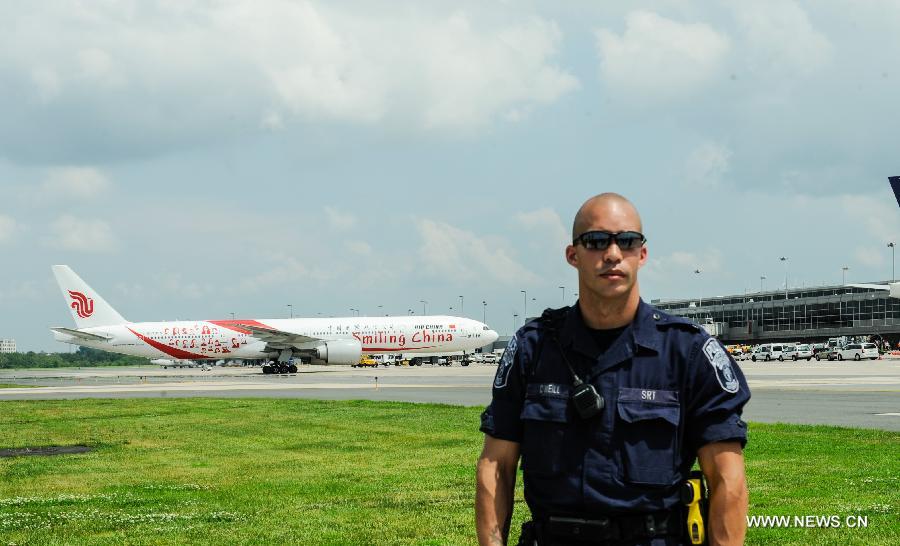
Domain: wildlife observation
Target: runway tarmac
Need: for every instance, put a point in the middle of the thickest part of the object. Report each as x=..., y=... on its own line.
x=865, y=394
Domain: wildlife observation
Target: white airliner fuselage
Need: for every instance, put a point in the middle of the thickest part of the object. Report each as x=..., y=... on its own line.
x=329, y=340
x=218, y=339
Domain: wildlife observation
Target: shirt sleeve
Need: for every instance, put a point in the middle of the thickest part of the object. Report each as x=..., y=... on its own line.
x=717, y=392
x=501, y=419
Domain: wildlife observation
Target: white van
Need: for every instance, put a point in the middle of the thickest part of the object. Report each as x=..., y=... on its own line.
x=768, y=351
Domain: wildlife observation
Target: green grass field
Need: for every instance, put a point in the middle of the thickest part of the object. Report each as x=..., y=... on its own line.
x=315, y=472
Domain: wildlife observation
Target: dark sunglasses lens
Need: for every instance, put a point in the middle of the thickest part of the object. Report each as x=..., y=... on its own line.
x=595, y=240
x=629, y=240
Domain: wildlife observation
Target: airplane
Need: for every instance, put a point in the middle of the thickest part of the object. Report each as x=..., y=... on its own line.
x=339, y=340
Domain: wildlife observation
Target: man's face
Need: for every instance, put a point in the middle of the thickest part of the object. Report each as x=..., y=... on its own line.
x=610, y=273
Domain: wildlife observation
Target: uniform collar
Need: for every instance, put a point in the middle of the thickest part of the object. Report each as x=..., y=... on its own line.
x=642, y=331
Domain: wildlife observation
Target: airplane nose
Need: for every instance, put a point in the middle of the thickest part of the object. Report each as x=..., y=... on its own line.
x=493, y=336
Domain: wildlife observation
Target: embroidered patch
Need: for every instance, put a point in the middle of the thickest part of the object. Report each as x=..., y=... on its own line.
x=717, y=356
x=505, y=364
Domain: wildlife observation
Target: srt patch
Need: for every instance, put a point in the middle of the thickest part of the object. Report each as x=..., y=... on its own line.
x=505, y=364
x=721, y=363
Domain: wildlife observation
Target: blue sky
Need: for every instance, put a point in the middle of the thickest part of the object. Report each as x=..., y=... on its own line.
x=193, y=159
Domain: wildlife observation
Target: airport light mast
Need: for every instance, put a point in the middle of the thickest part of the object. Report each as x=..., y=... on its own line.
x=563, y=288
x=484, y=311
x=525, y=301
x=893, y=275
x=424, y=303
x=461, y=308
x=844, y=275
x=291, y=308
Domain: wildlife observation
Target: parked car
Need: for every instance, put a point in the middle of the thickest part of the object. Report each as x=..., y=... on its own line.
x=800, y=352
x=858, y=351
x=823, y=352
x=491, y=358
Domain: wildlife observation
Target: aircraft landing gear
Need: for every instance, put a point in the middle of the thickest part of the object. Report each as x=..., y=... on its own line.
x=279, y=368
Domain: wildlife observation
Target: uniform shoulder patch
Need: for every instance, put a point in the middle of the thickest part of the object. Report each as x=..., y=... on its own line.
x=505, y=364
x=721, y=364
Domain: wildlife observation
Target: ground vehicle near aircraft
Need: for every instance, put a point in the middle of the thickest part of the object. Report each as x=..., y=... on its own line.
x=340, y=340
x=366, y=361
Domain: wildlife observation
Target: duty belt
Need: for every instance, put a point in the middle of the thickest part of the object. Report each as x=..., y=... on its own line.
x=608, y=529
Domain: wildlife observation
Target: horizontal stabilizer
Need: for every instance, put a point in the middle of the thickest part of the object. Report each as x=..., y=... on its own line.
x=81, y=335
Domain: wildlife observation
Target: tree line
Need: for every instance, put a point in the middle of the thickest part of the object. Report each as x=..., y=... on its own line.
x=84, y=357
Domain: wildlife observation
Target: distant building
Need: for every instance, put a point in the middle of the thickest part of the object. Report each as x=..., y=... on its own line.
x=7, y=346
x=810, y=314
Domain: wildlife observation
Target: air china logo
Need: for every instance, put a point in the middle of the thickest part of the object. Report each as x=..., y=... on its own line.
x=83, y=306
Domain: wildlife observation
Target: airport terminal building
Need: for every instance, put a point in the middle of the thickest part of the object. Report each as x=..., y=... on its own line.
x=796, y=314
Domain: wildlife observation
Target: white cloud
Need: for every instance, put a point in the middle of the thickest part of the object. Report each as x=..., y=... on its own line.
x=287, y=270
x=78, y=182
x=92, y=235
x=457, y=255
x=339, y=219
x=547, y=223
x=282, y=62
x=8, y=228
x=781, y=37
x=359, y=247
x=472, y=76
x=657, y=58
x=707, y=164
x=682, y=265
x=870, y=256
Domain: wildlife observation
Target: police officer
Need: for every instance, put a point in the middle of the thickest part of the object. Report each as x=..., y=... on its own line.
x=608, y=403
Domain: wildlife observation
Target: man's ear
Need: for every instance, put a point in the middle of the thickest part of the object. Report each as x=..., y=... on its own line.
x=643, y=259
x=571, y=256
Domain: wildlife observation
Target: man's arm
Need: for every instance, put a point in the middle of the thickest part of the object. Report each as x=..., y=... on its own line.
x=723, y=465
x=496, y=479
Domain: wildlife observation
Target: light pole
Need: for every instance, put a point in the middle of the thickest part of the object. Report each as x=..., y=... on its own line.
x=461, y=308
x=891, y=246
x=291, y=307
x=515, y=321
x=232, y=316
x=844, y=275
x=380, y=308
x=761, y=279
x=484, y=311
x=352, y=310
x=785, y=260
x=563, y=288
x=700, y=307
x=409, y=312
x=525, y=302
x=424, y=303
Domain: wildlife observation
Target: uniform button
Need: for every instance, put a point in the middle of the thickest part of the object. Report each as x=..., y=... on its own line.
x=655, y=316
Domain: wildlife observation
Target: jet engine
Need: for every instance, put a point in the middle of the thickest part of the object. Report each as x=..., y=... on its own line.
x=339, y=351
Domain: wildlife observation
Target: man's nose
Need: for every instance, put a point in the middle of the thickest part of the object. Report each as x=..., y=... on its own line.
x=613, y=253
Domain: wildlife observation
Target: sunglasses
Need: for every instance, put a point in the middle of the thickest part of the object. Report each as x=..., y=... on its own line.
x=600, y=240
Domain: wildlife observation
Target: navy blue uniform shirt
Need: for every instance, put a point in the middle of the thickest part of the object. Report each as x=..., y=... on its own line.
x=669, y=389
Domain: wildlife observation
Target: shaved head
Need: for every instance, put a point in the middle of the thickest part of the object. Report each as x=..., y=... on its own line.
x=601, y=205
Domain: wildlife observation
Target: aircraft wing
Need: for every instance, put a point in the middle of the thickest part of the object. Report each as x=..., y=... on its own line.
x=80, y=335
x=278, y=339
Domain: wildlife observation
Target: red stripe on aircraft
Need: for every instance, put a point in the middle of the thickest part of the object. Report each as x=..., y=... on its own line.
x=171, y=351
x=396, y=349
x=236, y=325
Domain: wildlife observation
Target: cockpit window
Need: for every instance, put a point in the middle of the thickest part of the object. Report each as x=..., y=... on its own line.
x=485, y=328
